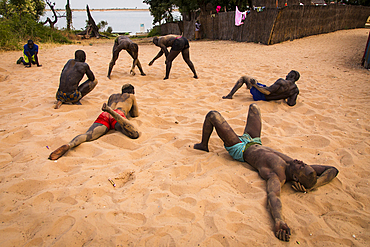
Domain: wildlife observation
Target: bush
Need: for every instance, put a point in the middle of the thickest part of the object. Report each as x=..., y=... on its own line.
x=155, y=31
x=14, y=32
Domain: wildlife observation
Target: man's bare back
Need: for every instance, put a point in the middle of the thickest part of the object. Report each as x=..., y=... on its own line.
x=124, y=43
x=69, y=90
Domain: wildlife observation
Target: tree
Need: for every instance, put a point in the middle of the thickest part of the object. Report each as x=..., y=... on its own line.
x=33, y=8
x=68, y=16
x=161, y=10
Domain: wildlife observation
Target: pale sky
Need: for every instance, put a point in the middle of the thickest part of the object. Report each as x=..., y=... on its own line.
x=99, y=4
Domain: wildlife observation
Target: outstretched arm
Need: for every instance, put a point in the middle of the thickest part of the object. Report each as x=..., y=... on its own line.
x=325, y=175
x=282, y=231
x=160, y=53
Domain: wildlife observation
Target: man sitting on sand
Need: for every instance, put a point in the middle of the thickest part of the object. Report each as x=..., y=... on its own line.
x=274, y=167
x=178, y=44
x=72, y=74
x=281, y=89
x=120, y=106
x=124, y=43
x=30, y=51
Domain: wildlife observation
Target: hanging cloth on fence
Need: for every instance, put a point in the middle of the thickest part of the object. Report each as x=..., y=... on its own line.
x=239, y=16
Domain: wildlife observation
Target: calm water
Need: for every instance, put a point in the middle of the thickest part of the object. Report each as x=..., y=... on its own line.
x=120, y=21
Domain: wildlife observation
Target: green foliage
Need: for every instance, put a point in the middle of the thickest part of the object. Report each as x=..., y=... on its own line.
x=21, y=8
x=155, y=31
x=109, y=29
x=14, y=33
x=101, y=25
x=161, y=10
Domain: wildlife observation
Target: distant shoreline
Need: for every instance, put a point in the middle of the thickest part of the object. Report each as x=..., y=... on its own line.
x=101, y=9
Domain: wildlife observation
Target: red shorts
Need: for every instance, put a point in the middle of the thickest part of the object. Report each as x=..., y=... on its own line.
x=107, y=119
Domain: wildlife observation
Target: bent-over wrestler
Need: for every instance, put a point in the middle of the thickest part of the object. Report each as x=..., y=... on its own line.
x=177, y=44
x=124, y=43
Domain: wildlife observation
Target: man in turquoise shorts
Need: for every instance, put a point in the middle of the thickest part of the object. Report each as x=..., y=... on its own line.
x=284, y=89
x=30, y=51
x=274, y=167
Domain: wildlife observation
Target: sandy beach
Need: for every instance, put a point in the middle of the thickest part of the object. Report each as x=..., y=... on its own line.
x=167, y=193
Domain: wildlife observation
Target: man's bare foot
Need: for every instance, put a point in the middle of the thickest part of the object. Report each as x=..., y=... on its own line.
x=165, y=78
x=227, y=97
x=132, y=72
x=59, y=152
x=200, y=146
x=195, y=76
x=58, y=104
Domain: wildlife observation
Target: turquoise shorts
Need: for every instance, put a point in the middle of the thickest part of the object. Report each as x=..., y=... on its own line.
x=236, y=151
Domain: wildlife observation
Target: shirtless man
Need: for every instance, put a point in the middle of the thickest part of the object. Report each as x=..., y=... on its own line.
x=178, y=44
x=124, y=43
x=274, y=167
x=72, y=74
x=114, y=116
x=281, y=89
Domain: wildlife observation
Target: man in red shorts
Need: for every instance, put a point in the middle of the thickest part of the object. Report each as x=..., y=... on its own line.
x=113, y=117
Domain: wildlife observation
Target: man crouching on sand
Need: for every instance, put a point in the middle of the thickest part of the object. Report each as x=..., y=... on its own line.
x=274, y=167
x=114, y=116
x=72, y=74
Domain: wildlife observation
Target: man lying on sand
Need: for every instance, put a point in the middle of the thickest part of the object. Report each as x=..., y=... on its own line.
x=281, y=89
x=178, y=44
x=274, y=167
x=124, y=43
x=114, y=116
x=72, y=74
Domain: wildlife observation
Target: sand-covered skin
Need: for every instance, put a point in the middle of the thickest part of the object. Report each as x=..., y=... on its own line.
x=167, y=193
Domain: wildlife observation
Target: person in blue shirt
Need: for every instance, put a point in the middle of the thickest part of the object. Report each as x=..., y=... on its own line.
x=30, y=51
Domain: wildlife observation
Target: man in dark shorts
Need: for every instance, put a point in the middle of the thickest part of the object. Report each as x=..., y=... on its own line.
x=124, y=43
x=72, y=74
x=114, y=116
x=281, y=89
x=178, y=44
x=30, y=51
x=274, y=167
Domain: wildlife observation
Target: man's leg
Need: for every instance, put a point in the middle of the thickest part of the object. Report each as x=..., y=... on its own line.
x=87, y=87
x=239, y=84
x=254, y=123
x=223, y=129
x=171, y=56
x=136, y=62
x=186, y=57
x=112, y=61
x=123, y=124
x=94, y=132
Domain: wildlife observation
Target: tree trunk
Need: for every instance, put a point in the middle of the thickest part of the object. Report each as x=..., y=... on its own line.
x=91, y=30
